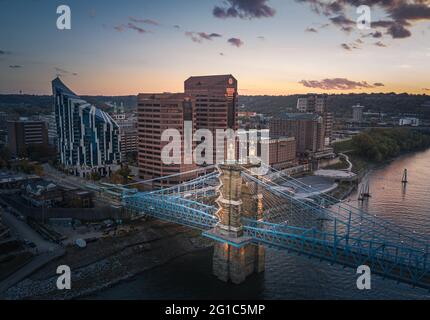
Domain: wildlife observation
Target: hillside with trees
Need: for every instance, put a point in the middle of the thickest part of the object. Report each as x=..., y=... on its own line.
x=341, y=104
x=407, y=104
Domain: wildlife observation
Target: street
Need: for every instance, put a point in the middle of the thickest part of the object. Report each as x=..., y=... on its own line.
x=24, y=231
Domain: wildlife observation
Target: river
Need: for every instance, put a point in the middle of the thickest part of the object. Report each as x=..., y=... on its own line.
x=288, y=276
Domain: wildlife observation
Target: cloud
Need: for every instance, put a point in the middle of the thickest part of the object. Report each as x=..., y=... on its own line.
x=342, y=21
x=244, y=9
x=426, y=89
x=398, y=31
x=413, y=10
x=3, y=52
x=63, y=72
x=15, y=66
x=376, y=34
x=145, y=21
x=379, y=44
x=200, y=36
x=400, y=15
x=235, y=42
x=352, y=45
x=338, y=84
x=345, y=46
x=310, y=29
x=206, y=36
x=119, y=28
x=132, y=26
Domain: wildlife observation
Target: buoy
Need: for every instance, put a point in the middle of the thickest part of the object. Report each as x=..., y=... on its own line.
x=405, y=176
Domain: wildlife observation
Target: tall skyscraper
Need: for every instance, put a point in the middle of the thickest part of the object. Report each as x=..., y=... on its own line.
x=88, y=138
x=156, y=113
x=216, y=104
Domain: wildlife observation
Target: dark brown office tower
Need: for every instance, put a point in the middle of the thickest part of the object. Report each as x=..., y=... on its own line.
x=318, y=104
x=25, y=133
x=216, y=103
x=307, y=128
x=156, y=113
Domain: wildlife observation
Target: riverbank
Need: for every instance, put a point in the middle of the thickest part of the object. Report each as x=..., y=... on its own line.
x=109, y=261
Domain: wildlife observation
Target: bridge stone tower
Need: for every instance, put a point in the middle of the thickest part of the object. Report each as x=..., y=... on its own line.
x=235, y=257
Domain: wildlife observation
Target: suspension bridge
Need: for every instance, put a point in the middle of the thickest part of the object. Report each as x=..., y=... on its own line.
x=245, y=212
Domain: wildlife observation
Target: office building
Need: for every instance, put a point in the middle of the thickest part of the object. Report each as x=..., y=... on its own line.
x=216, y=104
x=52, y=127
x=357, y=113
x=409, y=121
x=307, y=128
x=282, y=152
x=88, y=138
x=128, y=133
x=318, y=105
x=156, y=113
x=24, y=133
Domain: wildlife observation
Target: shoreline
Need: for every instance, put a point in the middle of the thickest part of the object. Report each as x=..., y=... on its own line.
x=369, y=167
x=93, y=272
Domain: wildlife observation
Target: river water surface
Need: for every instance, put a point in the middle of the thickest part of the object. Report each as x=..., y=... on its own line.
x=288, y=276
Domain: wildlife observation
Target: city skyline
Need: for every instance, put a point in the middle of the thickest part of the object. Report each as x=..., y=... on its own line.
x=273, y=47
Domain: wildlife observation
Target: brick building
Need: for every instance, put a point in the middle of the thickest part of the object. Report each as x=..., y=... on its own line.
x=156, y=113
x=307, y=128
x=216, y=104
x=25, y=133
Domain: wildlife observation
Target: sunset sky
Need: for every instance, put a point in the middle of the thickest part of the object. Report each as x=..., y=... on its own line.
x=271, y=46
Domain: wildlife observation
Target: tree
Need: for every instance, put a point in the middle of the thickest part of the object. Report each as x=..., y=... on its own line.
x=38, y=169
x=382, y=144
x=121, y=174
x=5, y=156
x=95, y=176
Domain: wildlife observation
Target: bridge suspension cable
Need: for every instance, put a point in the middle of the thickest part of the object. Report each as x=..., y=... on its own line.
x=326, y=199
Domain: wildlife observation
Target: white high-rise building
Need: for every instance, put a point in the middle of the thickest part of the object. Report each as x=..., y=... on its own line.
x=357, y=113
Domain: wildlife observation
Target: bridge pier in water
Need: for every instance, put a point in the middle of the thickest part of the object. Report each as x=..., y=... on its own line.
x=235, y=257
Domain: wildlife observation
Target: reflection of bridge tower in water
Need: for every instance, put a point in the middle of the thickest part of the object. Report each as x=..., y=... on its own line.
x=235, y=257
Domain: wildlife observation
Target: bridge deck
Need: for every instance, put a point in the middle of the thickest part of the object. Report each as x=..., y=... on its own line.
x=350, y=255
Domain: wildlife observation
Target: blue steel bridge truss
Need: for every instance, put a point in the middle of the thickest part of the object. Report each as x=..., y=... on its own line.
x=319, y=227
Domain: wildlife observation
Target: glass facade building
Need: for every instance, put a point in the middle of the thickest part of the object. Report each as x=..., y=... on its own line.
x=88, y=138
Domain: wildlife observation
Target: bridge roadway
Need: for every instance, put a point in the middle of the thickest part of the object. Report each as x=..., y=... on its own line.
x=384, y=258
